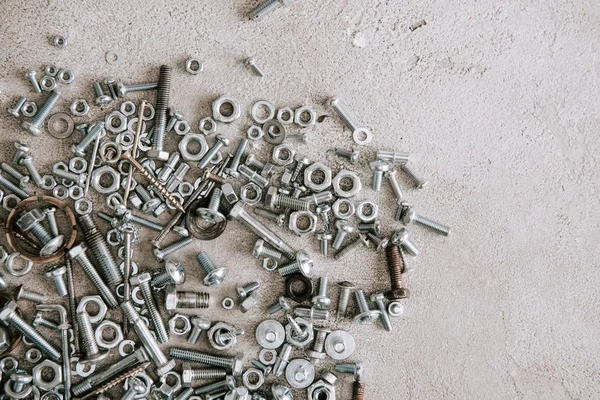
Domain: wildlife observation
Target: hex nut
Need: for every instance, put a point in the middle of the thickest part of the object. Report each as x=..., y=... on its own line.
x=343, y=209
x=296, y=216
x=227, y=303
x=65, y=76
x=115, y=122
x=185, y=189
x=60, y=192
x=102, y=308
x=173, y=322
x=97, y=177
x=75, y=192
x=321, y=391
x=125, y=140
x=361, y=208
x=28, y=109
x=255, y=132
x=218, y=113
x=48, y=182
x=184, y=147
x=285, y=115
x=250, y=375
x=48, y=83
x=267, y=356
x=99, y=334
x=283, y=154
x=256, y=111
x=78, y=165
x=10, y=202
x=194, y=66
x=127, y=108
x=308, y=177
x=38, y=379
x=247, y=189
x=33, y=355
x=305, y=116
x=207, y=126
x=51, y=70
x=181, y=127
x=248, y=303
x=8, y=364
x=79, y=108
x=169, y=390
x=83, y=206
x=337, y=184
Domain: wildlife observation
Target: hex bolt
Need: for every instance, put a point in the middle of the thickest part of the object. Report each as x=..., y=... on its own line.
x=247, y=290
x=395, y=157
x=343, y=229
x=160, y=360
x=31, y=76
x=99, y=248
x=95, y=131
x=275, y=200
x=378, y=298
x=303, y=264
x=136, y=388
x=78, y=179
x=351, y=248
x=379, y=168
x=168, y=168
x=78, y=254
x=199, y=324
x=237, y=158
x=230, y=363
x=27, y=161
x=136, y=87
x=143, y=281
x=266, y=7
x=380, y=243
x=283, y=303
x=128, y=216
x=396, y=263
x=8, y=185
x=283, y=359
x=213, y=275
x=355, y=369
x=220, y=142
x=88, y=340
x=177, y=176
x=343, y=114
x=51, y=218
x=34, y=126
x=351, y=156
x=411, y=216
x=227, y=384
x=253, y=176
x=15, y=110
x=10, y=317
x=160, y=116
x=392, y=176
x=31, y=295
x=271, y=216
x=324, y=240
x=162, y=253
x=101, y=98
x=110, y=84
x=238, y=213
x=400, y=238
x=175, y=115
x=57, y=275
x=251, y=62
x=316, y=353
x=419, y=182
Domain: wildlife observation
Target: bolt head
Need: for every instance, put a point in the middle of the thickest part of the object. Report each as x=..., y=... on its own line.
x=315, y=354
x=158, y=253
x=29, y=127
x=8, y=309
x=368, y=317
x=380, y=166
x=77, y=251
x=258, y=247
x=21, y=146
x=223, y=140
x=150, y=205
x=270, y=197
x=140, y=278
x=305, y=263
x=160, y=155
x=55, y=271
x=285, y=303
x=200, y=322
x=346, y=285
x=399, y=237
x=103, y=100
x=321, y=302
x=375, y=297
x=325, y=236
x=216, y=277
x=334, y=101
x=237, y=210
x=354, y=157
x=395, y=308
x=52, y=246
x=175, y=271
x=163, y=369
x=171, y=297
x=92, y=360
x=397, y=294
x=237, y=364
x=27, y=220
x=408, y=216
x=21, y=377
x=121, y=90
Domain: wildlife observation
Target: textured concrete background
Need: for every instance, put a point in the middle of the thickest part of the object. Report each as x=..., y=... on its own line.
x=495, y=101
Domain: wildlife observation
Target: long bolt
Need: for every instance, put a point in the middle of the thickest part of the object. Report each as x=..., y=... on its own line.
x=78, y=254
x=99, y=248
x=232, y=170
x=351, y=248
x=286, y=202
x=8, y=185
x=72, y=302
x=34, y=82
x=220, y=142
x=396, y=262
x=162, y=253
x=160, y=117
x=35, y=124
x=351, y=156
x=377, y=298
x=87, y=334
x=8, y=315
x=91, y=165
x=168, y=168
x=143, y=280
x=227, y=384
x=93, y=133
x=136, y=87
x=230, y=363
x=251, y=62
x=27, y=161
x=343, y=114
x=419, y=182
x=324, y=239
x=247, y=289
x=268, y=6
x=128, y=234
x=22, y=149
x=412, y=216
x=15, y=110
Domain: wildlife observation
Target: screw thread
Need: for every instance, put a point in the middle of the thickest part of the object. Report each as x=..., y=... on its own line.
x=45, y=109
x=11, y=171
x=395, y=262
x=139, y=87
x=202, y=358
x=192, y=300
x=34, y=82
x=259, y=12
x=431, y=224
x=395, y=184
x=395, y=157
x=250, y=288
x=143, y=193
x=86, y=333
x=160, y=280
x=410, y=247
x=339, y=239
x=320, y=341
x=96, y=280
x=185, y=394
x=419, y=183
x=361, y=300
x=351, y=248
x=297, y=170
x=72, y=306
x=235, y=162
x=377, y=180
x=213, y=387
x=254, y=162
x=223, y=338
x=344, y=116
x=291, y=203
x=215, y=200
x=385, y=318
x=205, y=262
x=324, y=247
x=343, y=303
x=66, y=175
x=274, y=308
x=311, y=313
x=176, y=246
x=51, y=218
x=358, y=390
x=346, y=368
x=289, y=269
x=99, y=248
x=162, y=102
x=5, y=183
x=41, y=233
x=207, y=373
x=343, y=153
x=376, y=240
x=210, y=154
x=32, y=296
x=91, y=136
x=153, y=313
x=98, y=89
x=194, y=335
x=270, y=253
x=271, y=216
x=323, y=283
x=34, y=336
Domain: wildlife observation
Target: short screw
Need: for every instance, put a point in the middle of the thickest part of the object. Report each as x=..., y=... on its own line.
x=352, y=247
x=316, y=353
x=303, y=264
x=224, y=337
x=92, y=134
x=355, y=369
x=214, y=276
x=365, y=316
x=323, y=211
x=276, y=200
x=411, y=216
x=311, y=313
x=343, y=229
x=88, y=340
x=34, y=82
x=392, y=176
x=400, y=238
x=254, y=162
x=283, y=303
x=246, y=290
x=162, y=253
x=321, y=300
x=227, y=384
x=27, y=161
x=22, y=148
x=379, y=168
x=269, y=5
x=22, y=179
x=110, y=84
x=177, y=177
x=136, y=388
x=174, y=116
x=261, y=250
x=378, y=298
x=251, y=62
x=358, y=390
x=6, y=184
x=253, y=176
x=173, y=273
x=324, y=239
x=396, y=262
x=20, y=381
x=199, y=324
x=380, y=243
x=395, y=157
x=31, y=295
x=343, y=114
x=237, y=158
x=266, y=369
x=101, y=98
x=57, y=275
x=374, y=227
x=221, y=141
x=39, y=320
x=123, y=89
x=301, y=162
x=271, y=216
x=351, y=156
x=15, y=110
x=168, y=168
x=345, y=289
x=419, y=183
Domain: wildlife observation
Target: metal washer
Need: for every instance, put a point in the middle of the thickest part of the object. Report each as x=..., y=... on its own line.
x=270, y=334
x=339, y=345
x=54, y=122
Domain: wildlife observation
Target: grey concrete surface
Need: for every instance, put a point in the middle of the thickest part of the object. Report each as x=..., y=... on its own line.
x=495, y=101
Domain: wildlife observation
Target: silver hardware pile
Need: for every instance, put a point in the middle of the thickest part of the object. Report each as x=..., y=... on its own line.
x=124, y=159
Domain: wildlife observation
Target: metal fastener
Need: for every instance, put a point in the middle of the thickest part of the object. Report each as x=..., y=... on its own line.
x=101, y=98
x=168, y=168
x=352, y=247
x=271, y=216
x=99, y=248
x=160, y=116
x=6, y=184
x=251, y=62
x=302, y=264
x=214, y=276
x=143, y=281
x=321, y=300
x=199, y=324
x=351, y=156
x=27, y=161
x=235, y=162
x=379, y=168
x=411, y=216
x=15, y=110
x=343, y=229
x=343, y=114
x=162, y=253
x=396, y=262
x=378, y=298
x=57, y=275
x=220, y=142
x=31, y=76
x=419, y=182
x=123, y=89
x=31, y=295
x=266, y=7
x=400, y=238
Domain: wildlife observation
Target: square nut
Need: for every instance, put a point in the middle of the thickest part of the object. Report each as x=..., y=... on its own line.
x=229, y=193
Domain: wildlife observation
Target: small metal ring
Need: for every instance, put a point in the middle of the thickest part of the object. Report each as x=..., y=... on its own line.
x=301, y=296
x=132, y=127
x=125, y=140
x=360, y=211
x=207, y=126
x=235, y=112
x=193, y=66
x=127, y=108
x=65, y=76
x=269, y=264
x=274, y=132
x=181, y=128
x=124, y=345
x=312, y=116
x=29, y=109
x=48, y=182
x=258, y=374
x=227, y=303
x=60, y=192
x=33, y=355
x=20, y=272
x=262, y=356
x=102, y=309
x=76, y=192
x=256, y=108
x=79, y=108
x=14, y=364
x=51, y=70
x=177, y=197
x=136, y=297
x=281, y=114
x=185, y=143
x=362, y=136
x=255, y=132
x=48, y=83
x=111, y=118
x=85, y=370
x=99, y=334
x=248, y=188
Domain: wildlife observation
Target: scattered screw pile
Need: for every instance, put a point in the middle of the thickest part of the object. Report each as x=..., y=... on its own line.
x=128, y=161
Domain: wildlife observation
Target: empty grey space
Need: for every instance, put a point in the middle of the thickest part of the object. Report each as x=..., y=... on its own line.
x=496, y=103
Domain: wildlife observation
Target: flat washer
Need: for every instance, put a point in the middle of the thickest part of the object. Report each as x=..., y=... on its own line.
x=270, y=334
x=54, y=123
x=304, y=295
x=339, y=345
x=270, y=136
x=362, y=136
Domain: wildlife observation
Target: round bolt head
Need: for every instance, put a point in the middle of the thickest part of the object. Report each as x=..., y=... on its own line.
x=368, y=317
x=380, y=166
x=305, y=263
x=8, y=310
x=375, y=297
x=346, y=285
x=408, y=216
x=258, y=247
x=399, y=237
x=200, y=322
x=29, y=127
x=175, y=271
x=215, y=277
x=321, y=302
x=223, y=140
x=21, y=377
x=52, y=246
x=55, y=271
x=103, y=100
x=397, y=294
x=150, y=205
x=158, y=253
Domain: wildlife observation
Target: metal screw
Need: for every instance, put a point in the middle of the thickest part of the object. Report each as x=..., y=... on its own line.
x=223, y=338
x=247, y=290
x=78, y=254
x=110, y=84
x=173, y=273
x=251, y=62
x=411, y=216
x=352, y=247
x=282, y=359
x=27, y=161
x=266, y=369
x=57, y=274
x=51, y=218
x=303, y=264
x=15, y=110
x=231, y=363
x=22, y=148
x=199, y=324
x=136, y=87
x=235, y=162
x=343, y=229
x=276, y=200
x=395, y=157
x=271, y=216
x=345, y=289
x=143, y=281
x=101, y=98
x=214, y=276
x=31, y=295
x=33, y=80
x=175, y=115
x=220, y=142
x=400, y=238
x=78, y=179
x=324, y=239
x=316, y=353
x=10, y=317
x=343, y=114
x=72, y=306
x=128, y=217
x=253, y=176
x=311, y=313
x=168, y=168
x=396, y=262
x=351, y=156
x=300, y=163
x=355, y=369
x=379, y=168
x=227, y=384
x=185, y=394
x=50, y=244
x=419, y=183
x=321, y=300
x=269, y=5
x=93, y=133
x=380, y=243
x=260, y=250
x=99, y=248
x=323, y=211
x=19, y=380
x=283, y=303
x=252, y=161
x=160, y=116
x=365, y=316
x=374, y=227
x=392, y=176
x=88, y=340
x=162, y=253
x=6, y=184
x=378, y=298
x=358, y=390
x=136, y=388
x=177, y=177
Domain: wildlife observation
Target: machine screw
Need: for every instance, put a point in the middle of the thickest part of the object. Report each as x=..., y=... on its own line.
x=352, y=247
x=162, y=253
x=400, y=238
x=199, y=324
x=35, y=124
x=345, y=289
x=128, y=216
x=316, y=353
x=261, y=250
x=27, y=161
x=110, y=84
x=214, y=276
x=394, y=157
x=355, y=369
x=247, y=290
x=15, y=110
x=160, y=118
x=311, y=313
x=34, y=82
x=78, y=254
x=99, y=248
x=136, y=87
x=78, y=179
x=380, y=243
x=419, y=183
x=392, y=176
x=51, y=218
x=128, y=236
x=379, y=168
x=301, y=162
x=143, y=281
x=378, y=298
x=10, y=317
x=374, y=227
x=173, y=273
x=343, y=114
x=231, y=363
x=276, y=200
x=101, y=98
x=351, y=156
x=235, y=162
x=175, y=115
x=283, y=359
x=220, y=142
x=88, y=340
x=178, y=299
x=19, y=380
x=269, y=5
x=22, y=148
x=253, y=176
x=324, y=239
x=31, y=295
x=323, y=211
x=31, y=221
x=72, y=306
x=266, y=369
x=321, y=300
x=185, y=394
x=396, y=263
x=251, y=62
x=8, y=185
x=365, y=315
x=283, y=303
x=303, y=264
x=95, y=131
x=168, y=168
x=343, y=229
x=57, y=274
x=227, y=384
x=411, y=216
x=271, y=216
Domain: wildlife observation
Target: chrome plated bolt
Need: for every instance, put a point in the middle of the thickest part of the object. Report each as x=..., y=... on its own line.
x=343, y=114
x=251, y=62
x=220, y=142
x=266, y=7
x=27, y=161
x=162, y=253
x=36, y=86
x=137, y=87
x=15, y=110
x=351, y=156
x=101, y=98
x=411, y=216
x=235, y=162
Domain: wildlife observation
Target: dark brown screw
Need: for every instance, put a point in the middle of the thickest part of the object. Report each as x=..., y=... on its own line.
x=396, y=262
x=358, y=390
